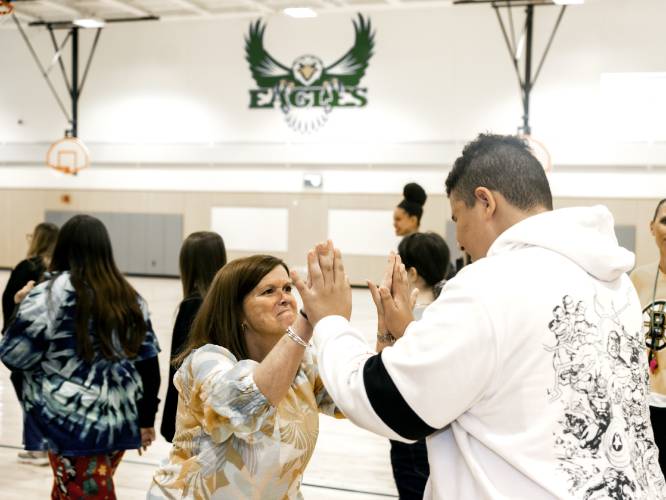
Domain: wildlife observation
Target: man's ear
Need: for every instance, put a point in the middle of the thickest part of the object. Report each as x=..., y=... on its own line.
x=486, y=198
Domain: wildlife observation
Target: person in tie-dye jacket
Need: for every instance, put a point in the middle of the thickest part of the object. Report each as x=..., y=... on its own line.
x=88, y=354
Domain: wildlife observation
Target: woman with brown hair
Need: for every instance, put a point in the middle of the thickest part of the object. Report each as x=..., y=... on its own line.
x=249, y=391
x=86, y=348
x=201, y=256
x=22, y=278
x=31, y=268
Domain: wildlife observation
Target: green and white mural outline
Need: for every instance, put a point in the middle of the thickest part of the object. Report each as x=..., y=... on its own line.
x=307, y=92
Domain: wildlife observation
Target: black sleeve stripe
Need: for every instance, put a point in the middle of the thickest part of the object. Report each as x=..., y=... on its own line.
x=388, y=403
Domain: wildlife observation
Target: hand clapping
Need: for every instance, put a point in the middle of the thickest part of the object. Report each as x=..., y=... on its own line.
x=393, y=299
x=327, y=291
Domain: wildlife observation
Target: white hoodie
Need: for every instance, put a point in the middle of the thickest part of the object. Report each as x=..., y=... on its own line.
x=528, y=373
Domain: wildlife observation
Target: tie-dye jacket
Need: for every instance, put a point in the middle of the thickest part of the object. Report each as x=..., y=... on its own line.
x=83, y=408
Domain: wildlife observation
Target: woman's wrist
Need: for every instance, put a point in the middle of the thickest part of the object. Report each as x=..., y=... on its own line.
x=303, y=342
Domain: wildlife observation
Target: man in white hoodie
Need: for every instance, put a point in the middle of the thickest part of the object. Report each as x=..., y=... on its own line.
x=528, y=375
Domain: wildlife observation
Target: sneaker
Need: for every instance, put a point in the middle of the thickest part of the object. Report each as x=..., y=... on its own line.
x=33, y=458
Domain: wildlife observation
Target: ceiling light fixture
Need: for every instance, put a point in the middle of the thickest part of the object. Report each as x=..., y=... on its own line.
x=89, y=23
x=300, y=12
x=569, y=2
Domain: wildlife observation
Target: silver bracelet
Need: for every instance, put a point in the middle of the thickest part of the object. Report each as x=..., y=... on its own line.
x=385, y=338
x=292, y=335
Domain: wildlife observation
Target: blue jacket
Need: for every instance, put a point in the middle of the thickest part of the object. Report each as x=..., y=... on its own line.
x=83, y=408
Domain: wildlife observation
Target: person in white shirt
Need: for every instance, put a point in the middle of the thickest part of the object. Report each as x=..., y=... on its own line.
x=528, y=374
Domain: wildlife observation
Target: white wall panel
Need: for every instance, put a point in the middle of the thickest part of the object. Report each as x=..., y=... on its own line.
x=362, y=232
x=252, y=229
x=643, y=184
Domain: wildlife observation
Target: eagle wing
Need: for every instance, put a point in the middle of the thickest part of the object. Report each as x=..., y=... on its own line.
x=350, y=68
x=266, y=70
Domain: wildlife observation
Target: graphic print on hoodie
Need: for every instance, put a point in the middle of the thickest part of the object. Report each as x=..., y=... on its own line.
x=605, y=447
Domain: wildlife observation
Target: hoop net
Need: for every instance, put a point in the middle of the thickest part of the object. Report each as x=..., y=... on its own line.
x=6, y=8
x=68, y=155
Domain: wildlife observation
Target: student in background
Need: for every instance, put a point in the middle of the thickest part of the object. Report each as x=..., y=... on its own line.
x=21, y=280
x=85, y=345
x=31, y=268
x=407, y=215
x=426, y=259
x=650, y=283
x=201, y=256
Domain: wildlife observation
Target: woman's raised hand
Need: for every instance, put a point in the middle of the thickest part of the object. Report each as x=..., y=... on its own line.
x=327, y=291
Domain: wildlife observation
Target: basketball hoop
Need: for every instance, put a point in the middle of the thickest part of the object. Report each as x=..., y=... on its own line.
x=540, y=152
x=6, y=8
x=68, y=155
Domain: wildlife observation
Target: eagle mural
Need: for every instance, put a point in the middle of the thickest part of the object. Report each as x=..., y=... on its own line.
x=308, y=83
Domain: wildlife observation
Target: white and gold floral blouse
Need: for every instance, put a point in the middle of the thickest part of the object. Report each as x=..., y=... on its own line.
x=230, y=441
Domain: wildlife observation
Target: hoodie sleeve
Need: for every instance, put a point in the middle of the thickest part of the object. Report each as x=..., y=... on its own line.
x=440, y=367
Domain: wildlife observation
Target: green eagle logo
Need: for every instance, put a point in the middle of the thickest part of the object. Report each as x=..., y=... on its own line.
x=308, y=90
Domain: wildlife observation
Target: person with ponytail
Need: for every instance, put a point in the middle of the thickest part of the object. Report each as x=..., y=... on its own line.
x=407, y=215
x=85, y=345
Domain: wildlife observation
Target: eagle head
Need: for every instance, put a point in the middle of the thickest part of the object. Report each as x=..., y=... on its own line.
x=307, y=69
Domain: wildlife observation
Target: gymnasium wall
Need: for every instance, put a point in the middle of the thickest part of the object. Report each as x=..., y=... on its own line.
x=308, y=220
x=165, y=114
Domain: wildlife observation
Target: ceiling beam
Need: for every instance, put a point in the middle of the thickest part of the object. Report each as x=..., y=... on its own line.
x=22, y=15
x=61, y=7
x=189, y=5
x=256, y=4
x=131, y=9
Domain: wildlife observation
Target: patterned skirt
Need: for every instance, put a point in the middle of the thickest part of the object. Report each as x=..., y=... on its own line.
x=87, y=477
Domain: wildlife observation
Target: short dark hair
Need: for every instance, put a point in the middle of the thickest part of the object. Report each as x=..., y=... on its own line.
x=502, y=163
x=656, y=210
x=428, y=253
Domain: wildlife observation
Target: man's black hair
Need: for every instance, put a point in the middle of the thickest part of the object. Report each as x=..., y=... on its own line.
x=501, y=163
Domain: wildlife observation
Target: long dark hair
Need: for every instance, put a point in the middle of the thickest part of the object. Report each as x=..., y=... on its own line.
x=220, y=316
x=201, y=256
x=429, y=254
x=43, y=240
x=103, y=295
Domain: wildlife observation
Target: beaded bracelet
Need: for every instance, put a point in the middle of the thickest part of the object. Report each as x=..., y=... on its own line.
x=292, y=335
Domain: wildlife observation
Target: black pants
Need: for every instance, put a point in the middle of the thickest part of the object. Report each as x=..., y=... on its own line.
x=658, y=418
x=410, y=469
